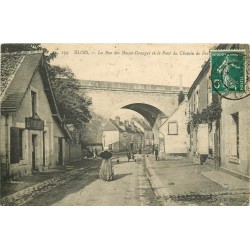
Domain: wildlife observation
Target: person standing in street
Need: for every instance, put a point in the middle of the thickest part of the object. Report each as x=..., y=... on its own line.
x=106, y=172
x=129, y=155
x=94, y=152
x=156, y=153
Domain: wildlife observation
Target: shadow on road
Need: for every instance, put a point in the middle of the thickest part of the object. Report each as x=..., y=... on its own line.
x=77, y=184
x=120, y=162
x=11, y=186
x=119, y=176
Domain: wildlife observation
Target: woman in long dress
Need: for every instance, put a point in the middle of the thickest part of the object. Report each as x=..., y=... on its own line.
x=106, y=172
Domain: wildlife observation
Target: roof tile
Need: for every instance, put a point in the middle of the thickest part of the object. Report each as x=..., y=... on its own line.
x=9, y=66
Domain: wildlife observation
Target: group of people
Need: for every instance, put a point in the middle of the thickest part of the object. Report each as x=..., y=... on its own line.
x=131, y=154
x=94, y=152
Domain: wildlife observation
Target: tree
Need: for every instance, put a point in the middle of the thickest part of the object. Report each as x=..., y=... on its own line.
x=16, y=47
x=72, y=104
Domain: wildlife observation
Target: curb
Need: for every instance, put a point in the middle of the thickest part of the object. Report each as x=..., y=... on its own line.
x=159, y=190
x=203, y=196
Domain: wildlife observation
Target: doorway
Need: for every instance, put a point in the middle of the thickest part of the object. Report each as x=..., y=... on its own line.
x=60, y=151
x=217, y=156
x=44, y=148
x=34, y=152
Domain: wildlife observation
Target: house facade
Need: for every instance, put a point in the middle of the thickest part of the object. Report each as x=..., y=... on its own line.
x=147, y=131
x=235, y=136
x=173, y=132
x=218, y=128
x=199, y=99
x=33, y=135
x=235, y=130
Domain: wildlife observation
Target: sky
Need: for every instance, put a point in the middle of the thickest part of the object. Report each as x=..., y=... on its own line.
x=162, y=64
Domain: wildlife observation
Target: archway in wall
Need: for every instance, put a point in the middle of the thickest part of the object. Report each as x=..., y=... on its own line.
x=149, y=112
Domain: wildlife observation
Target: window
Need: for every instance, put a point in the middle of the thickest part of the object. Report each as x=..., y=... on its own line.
x=16, y=145
x=209, y=92
x=197, y=101
x=33, y=102
x=172, y=128
x=234, y=135
x=194, y=102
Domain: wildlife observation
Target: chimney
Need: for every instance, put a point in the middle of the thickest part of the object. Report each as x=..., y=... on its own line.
x=202, y=66
x=126, y=123
x=180, y=83
x=117, y=120
x=181, y=96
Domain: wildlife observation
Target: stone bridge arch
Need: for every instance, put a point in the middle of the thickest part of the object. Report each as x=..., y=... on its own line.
x=151, y=101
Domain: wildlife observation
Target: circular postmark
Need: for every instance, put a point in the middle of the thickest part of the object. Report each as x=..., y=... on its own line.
x=228, y=74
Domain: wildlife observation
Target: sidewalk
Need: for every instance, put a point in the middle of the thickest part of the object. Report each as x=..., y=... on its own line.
x=12, y=190
x=181, y=178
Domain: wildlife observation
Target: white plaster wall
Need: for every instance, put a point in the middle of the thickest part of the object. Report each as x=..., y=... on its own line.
x=229, y=107
x=177, y=144
x=17, y=119
x=110, y=137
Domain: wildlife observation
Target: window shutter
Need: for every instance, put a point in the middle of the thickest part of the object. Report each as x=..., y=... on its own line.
x=14, y=145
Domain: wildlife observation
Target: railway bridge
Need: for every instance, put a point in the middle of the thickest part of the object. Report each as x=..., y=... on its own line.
x=153, y=102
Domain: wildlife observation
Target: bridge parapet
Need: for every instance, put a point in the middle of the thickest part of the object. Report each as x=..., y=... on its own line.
x=131, y=87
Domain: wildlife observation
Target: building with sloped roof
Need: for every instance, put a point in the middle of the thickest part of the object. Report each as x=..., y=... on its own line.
x=33, y=134
x=221, y=136
x=122, y=136
x=146, y=129
x=174, y=139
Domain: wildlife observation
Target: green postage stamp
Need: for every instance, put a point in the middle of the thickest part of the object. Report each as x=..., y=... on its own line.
x=228, y=72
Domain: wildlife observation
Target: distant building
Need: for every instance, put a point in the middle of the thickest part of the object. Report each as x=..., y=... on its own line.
x=32, y=133
x=122, y=136
x=146, y=129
